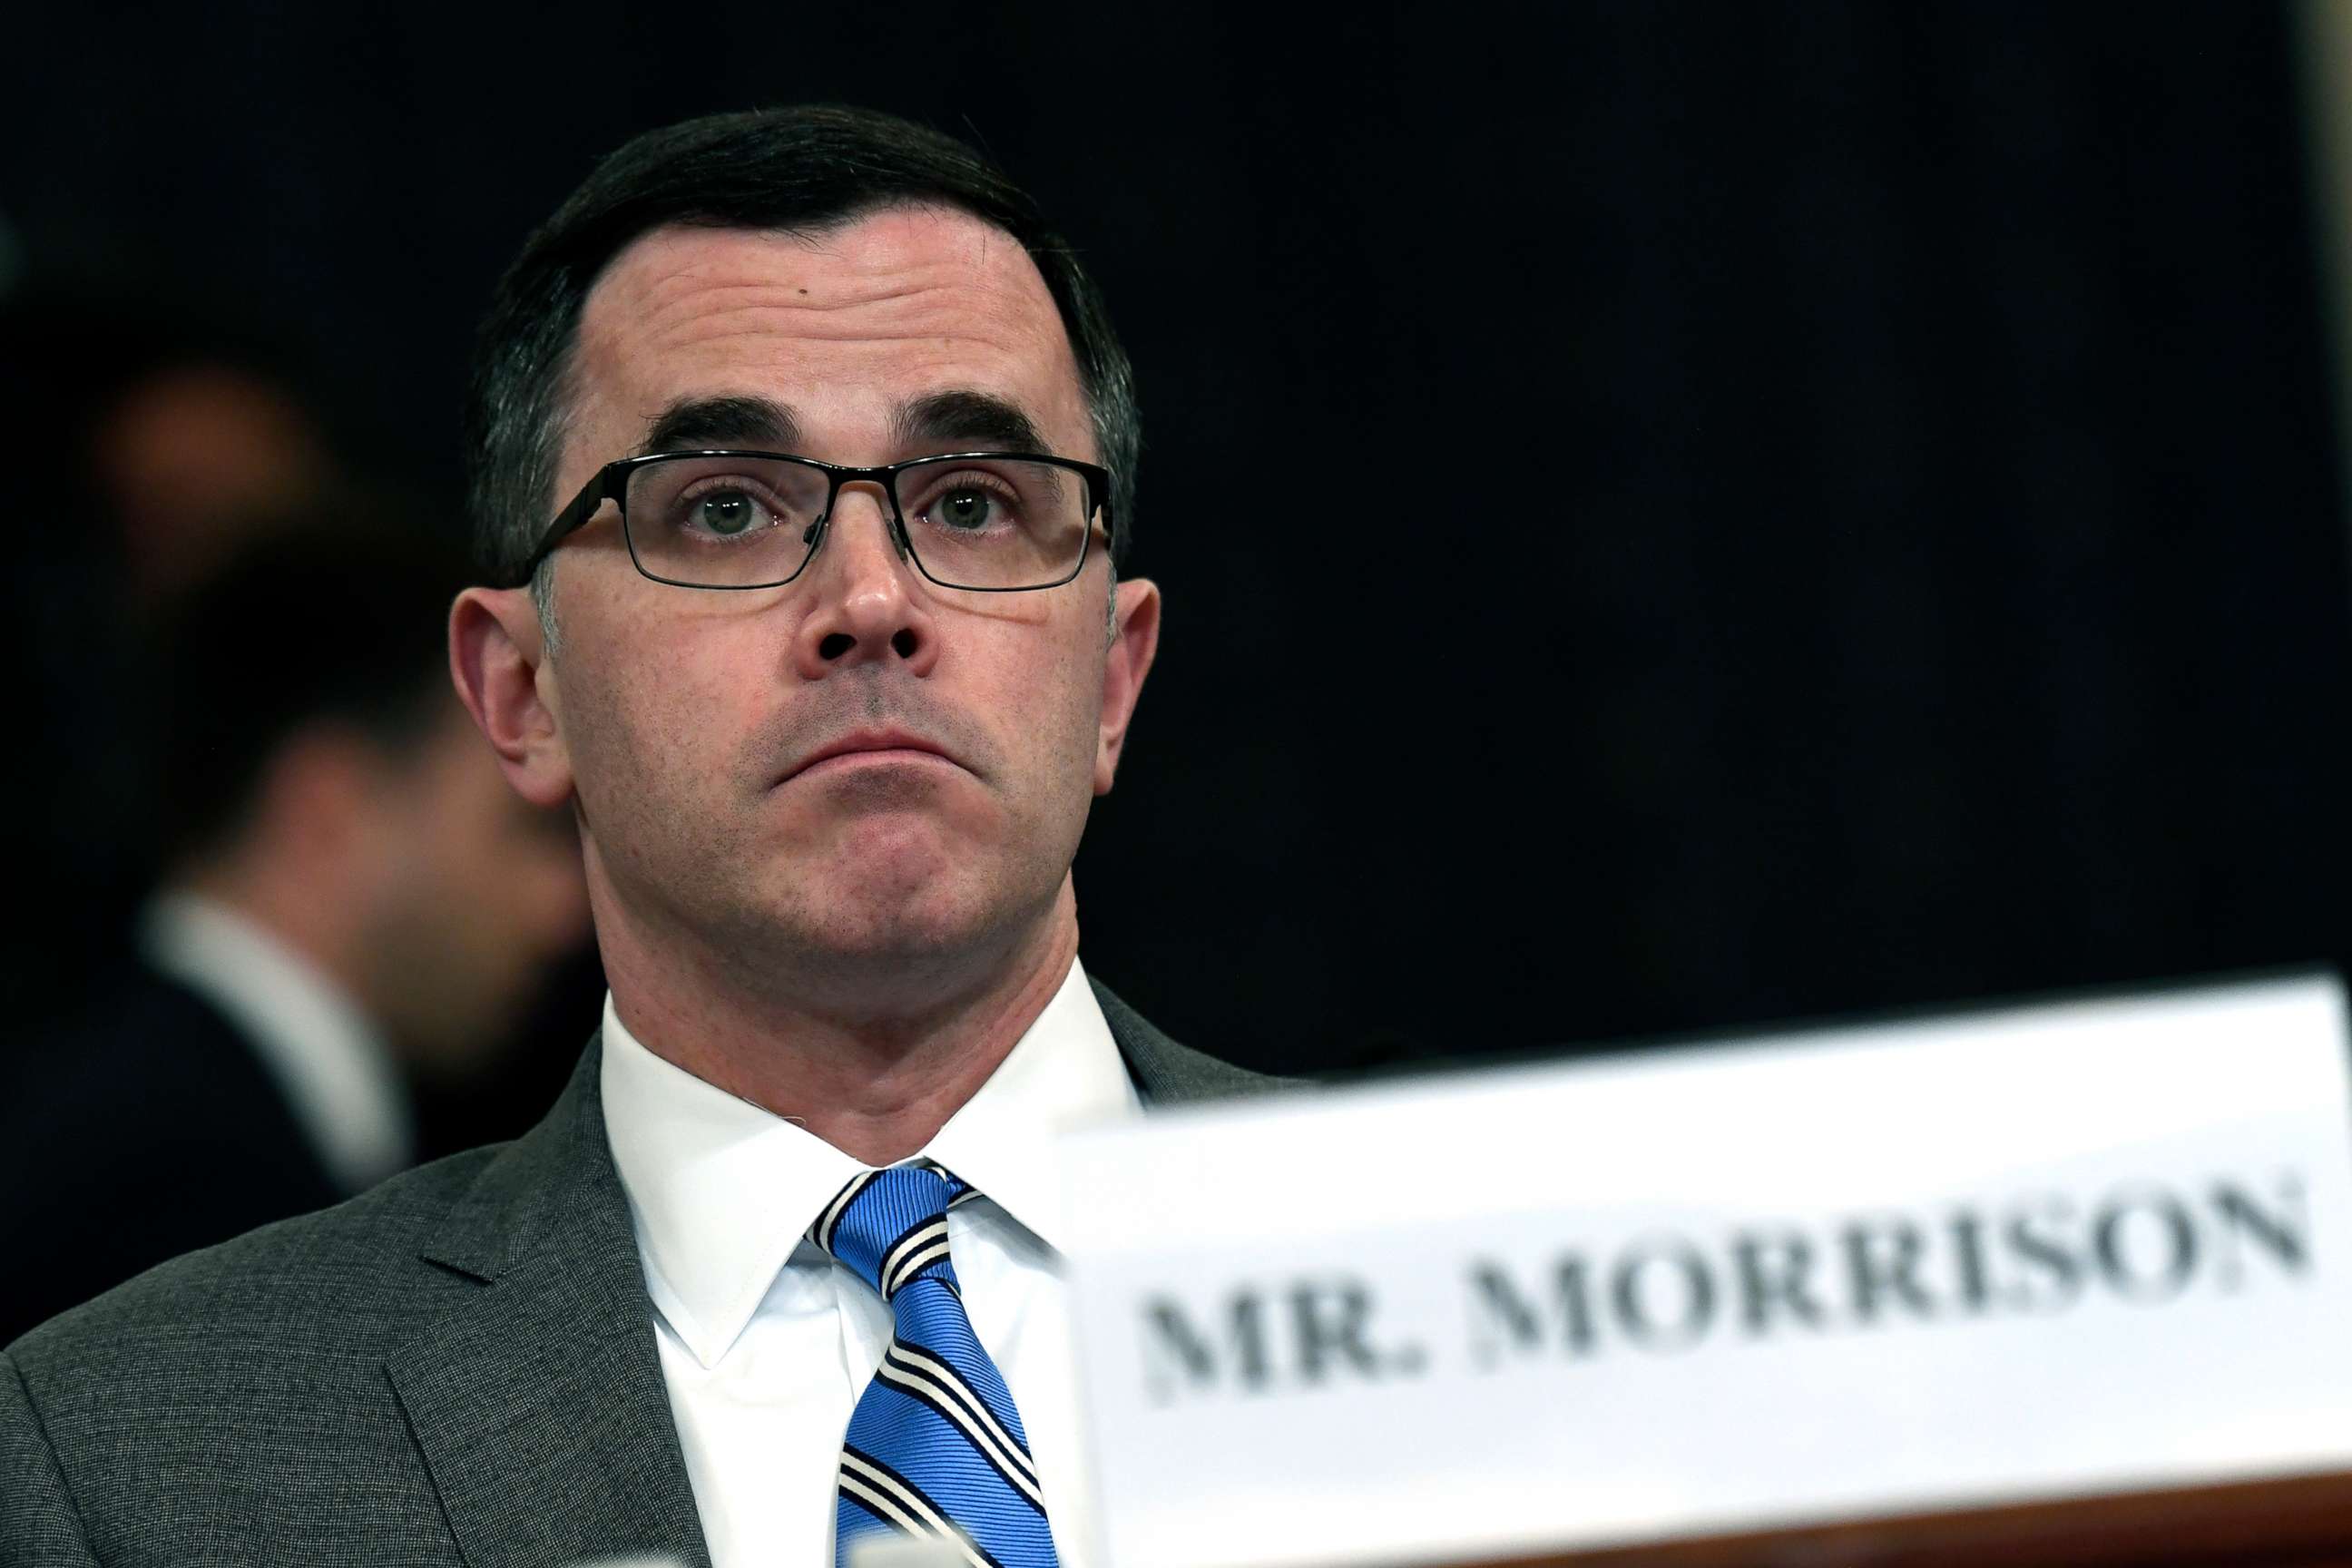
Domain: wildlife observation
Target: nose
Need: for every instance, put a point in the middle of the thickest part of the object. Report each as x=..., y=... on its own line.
x=865, y=606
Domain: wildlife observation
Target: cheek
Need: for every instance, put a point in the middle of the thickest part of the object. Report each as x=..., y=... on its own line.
x=1057, y=714
x=654, y=726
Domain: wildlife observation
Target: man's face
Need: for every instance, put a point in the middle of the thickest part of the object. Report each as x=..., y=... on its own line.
x=685, y=720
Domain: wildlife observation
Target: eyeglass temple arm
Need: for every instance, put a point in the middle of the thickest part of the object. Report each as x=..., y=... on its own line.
x=571, y=519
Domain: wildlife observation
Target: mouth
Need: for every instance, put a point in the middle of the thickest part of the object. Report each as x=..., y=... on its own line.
x=872, y=748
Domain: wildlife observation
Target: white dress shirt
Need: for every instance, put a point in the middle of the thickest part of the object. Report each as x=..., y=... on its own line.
x=766, y=1343
x=327, y=1058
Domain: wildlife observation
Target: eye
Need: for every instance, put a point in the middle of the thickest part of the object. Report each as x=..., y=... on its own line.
x=972, y=503
x=967, y=507
x=724, y=512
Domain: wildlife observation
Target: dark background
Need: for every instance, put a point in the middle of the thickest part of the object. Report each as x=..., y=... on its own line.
x=1674, y=516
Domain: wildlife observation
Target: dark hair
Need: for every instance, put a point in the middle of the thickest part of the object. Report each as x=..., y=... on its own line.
x=335, y=617
x=804, y=170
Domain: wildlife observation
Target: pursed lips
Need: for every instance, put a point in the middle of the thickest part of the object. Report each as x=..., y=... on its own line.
x=881, y=745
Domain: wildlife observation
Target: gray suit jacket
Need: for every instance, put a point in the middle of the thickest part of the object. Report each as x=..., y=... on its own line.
x=458, y=1366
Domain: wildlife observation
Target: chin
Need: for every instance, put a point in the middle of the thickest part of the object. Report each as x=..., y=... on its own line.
x=894, y=888
x=905, y=915
x=857, y=928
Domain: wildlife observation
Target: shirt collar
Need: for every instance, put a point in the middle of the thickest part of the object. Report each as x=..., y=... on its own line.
x=327, y=1059
x=1064, y=1072
x=721, y=1190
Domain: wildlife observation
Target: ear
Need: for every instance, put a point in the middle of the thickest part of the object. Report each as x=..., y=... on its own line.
x=502, y=675
x=1134, y=639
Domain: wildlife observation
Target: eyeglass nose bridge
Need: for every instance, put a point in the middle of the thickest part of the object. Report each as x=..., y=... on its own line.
x=885, y=484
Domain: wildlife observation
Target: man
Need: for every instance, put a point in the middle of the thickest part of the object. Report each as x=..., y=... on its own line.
x=830, y=718
x=352, y=900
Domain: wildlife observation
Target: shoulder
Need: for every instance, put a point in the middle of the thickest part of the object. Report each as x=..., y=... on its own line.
x=1168, y=1073
x=349, y=1279
x=255, y=1388
x=241, y=1391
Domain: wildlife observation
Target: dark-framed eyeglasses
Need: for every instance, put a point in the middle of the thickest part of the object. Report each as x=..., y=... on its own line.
x=992, y=522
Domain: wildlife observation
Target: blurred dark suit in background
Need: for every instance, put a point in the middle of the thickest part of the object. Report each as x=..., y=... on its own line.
x=351, y=899
x=147, y=1130
x=153, y=439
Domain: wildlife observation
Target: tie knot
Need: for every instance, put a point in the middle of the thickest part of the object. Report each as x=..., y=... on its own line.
x=891, y=1226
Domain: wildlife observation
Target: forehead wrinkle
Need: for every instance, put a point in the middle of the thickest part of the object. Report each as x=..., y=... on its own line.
x=847, y=275
x=685, y=309
x=939, y=309
x=811, y=282
x=958, y=345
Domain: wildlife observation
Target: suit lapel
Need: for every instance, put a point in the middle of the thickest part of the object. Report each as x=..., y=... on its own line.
x=1166, y=1073
x=538, y=1401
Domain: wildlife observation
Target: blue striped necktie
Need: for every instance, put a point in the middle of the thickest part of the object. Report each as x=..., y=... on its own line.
x=935, y=1448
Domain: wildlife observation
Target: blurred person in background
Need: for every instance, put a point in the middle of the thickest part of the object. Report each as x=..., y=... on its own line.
x=352, y=897
x=188, y=433
x=191, y=453
x=161, y=438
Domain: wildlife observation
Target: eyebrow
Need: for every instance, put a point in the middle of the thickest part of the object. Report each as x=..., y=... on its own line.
x=965, y=418
x=961, y=417
x=697, y=423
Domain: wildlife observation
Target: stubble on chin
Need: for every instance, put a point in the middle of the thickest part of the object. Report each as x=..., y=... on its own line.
x=781, y=885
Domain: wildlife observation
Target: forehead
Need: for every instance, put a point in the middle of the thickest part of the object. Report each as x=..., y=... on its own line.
x=842, y=327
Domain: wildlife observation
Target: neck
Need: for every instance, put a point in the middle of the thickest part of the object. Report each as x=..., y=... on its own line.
x=289, y=909
x=874, y=1075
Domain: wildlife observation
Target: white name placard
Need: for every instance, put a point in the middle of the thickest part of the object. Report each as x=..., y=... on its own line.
x=2067, y=1249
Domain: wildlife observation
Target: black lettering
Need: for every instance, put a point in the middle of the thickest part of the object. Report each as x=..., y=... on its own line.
x=1874, y=1274
x=1773, y=1271
x=1172, y=1338
x=2177, y=1236
x=1571, y=1290
x=1330, y=1319
x=2283, y=1232
x=1493, y=1289
x=1496, y=1304
x=2044, y=1255
x=1968, y=1246
x=1695, y=1305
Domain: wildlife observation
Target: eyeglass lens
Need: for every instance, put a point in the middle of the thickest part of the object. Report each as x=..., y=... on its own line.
x=738, y=523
